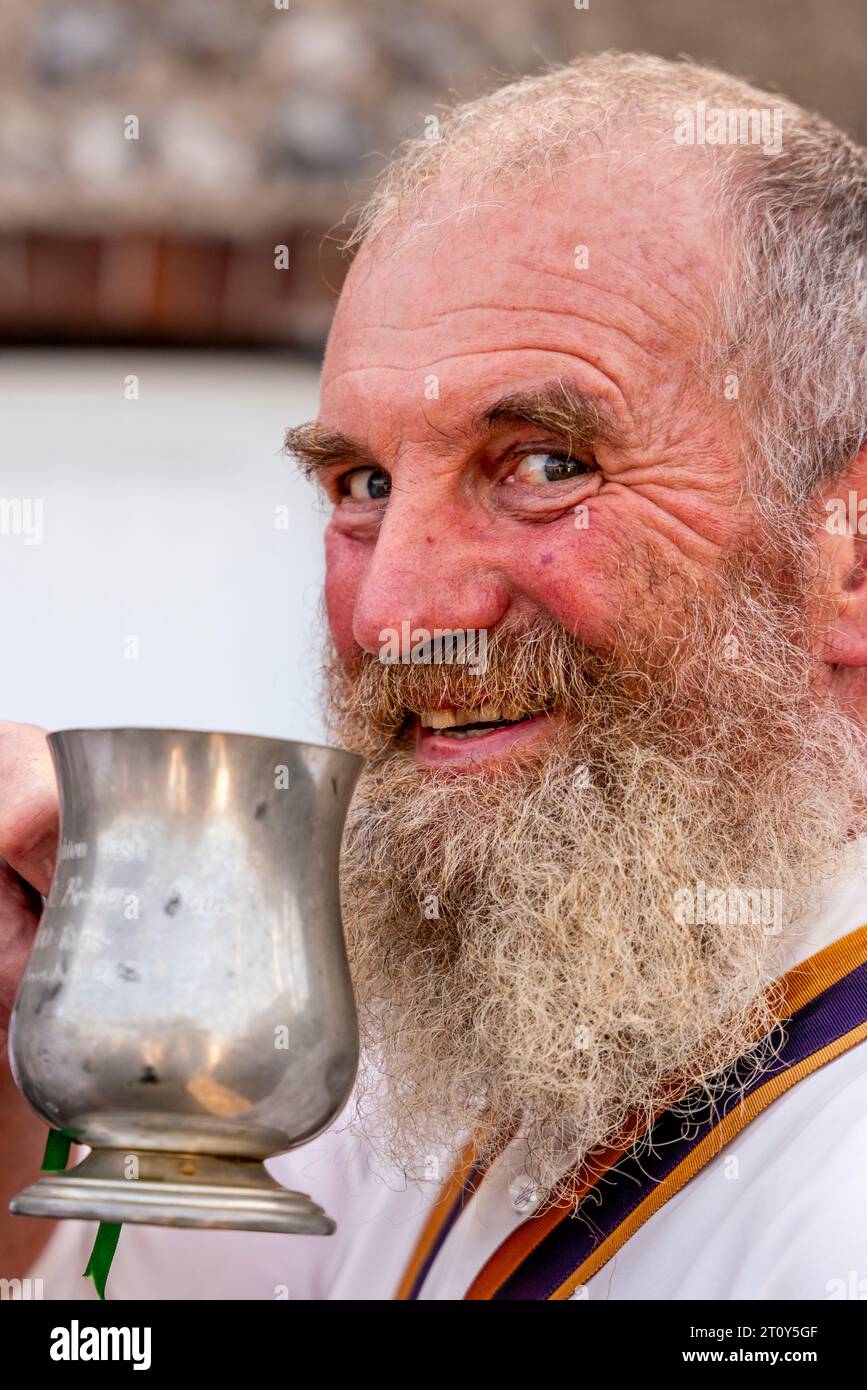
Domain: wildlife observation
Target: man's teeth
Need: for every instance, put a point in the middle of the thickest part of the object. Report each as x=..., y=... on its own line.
x=443, y=720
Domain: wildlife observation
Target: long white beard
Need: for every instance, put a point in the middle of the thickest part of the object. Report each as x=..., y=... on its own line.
x=520, y=948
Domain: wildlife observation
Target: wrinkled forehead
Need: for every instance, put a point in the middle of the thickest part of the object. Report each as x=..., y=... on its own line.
x=629, y=241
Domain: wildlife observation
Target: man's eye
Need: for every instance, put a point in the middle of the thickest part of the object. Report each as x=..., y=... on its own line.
x=549, y=468
x=365, y=484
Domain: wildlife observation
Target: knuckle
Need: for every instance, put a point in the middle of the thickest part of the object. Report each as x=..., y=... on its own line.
x=15, y=732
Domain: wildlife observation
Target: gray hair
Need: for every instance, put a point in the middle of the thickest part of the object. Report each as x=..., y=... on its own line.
x=788, y=319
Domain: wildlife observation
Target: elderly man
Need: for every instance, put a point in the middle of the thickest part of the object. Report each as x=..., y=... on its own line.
x=592, y=403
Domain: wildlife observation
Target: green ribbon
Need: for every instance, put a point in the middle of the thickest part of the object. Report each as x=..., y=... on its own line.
x=54, y=1160
x=56, y=1154
x=102, y=1254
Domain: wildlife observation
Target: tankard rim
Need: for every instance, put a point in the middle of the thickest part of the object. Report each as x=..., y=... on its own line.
x=235, y=735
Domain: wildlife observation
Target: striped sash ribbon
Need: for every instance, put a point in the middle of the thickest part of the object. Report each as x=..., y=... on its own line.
x=822, y=1005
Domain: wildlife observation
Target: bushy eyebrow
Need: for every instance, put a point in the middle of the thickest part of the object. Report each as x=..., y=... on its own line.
x=578, y=418
x=317, y=449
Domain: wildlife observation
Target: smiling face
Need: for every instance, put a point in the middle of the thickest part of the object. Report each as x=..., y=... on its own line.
x=502, y=433
x=521, y=445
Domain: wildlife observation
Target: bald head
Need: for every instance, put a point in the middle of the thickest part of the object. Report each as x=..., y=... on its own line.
x=787, y=187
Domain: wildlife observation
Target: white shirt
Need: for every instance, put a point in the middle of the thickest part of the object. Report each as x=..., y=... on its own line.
x=788, y=1220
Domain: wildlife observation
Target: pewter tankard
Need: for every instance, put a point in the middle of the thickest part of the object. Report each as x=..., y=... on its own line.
x=187, y=1009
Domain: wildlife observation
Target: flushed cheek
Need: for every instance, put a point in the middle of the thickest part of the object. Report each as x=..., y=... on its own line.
x=571, y=576
x=345, y=563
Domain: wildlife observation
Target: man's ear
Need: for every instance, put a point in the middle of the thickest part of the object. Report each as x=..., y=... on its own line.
x=843, y=560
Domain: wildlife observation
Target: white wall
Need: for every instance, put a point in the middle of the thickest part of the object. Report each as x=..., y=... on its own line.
x=158, y=524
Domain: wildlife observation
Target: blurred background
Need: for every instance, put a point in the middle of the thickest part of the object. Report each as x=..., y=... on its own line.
x=172, y=177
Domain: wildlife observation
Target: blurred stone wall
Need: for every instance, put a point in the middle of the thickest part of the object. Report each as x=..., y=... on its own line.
x=153, y=152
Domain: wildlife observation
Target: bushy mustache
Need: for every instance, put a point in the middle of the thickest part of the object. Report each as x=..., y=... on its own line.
x=535, y=667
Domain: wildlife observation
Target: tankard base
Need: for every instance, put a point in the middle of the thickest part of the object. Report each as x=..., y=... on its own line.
x=171, y=1189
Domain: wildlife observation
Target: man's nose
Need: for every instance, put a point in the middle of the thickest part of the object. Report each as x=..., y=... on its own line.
x=431, y=571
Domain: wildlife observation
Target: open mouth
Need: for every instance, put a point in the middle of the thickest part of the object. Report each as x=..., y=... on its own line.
x=472, y=723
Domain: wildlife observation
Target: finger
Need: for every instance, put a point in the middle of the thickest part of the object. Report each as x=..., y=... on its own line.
x=29, y=813
x=19, y=917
